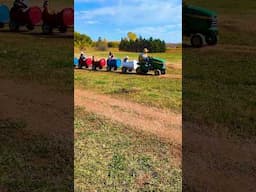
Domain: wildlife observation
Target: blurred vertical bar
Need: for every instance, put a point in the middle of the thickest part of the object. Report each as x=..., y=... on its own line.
x=219, y=95
x=36, y=96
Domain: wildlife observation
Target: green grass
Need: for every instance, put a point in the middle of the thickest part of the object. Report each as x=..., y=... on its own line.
x=112, y=157
x=149, y=90
x=219, y=83
x=33, y=162
x=37, y=58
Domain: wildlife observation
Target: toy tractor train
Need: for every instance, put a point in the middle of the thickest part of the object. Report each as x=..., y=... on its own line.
x=152, y=64
x=33, y=16
x=200, y=25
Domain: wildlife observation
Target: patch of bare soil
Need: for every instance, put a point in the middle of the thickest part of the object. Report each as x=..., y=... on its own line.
x=42, y=110
x=217, y=163
x=162, y=123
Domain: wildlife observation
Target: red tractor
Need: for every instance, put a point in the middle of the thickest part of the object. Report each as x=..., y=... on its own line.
x=98, y=63
x=24, y=17
x=84, y=63
x=61, y=20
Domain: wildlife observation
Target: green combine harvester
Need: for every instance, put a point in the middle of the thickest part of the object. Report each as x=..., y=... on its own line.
x=200, y=25
x=153, y=64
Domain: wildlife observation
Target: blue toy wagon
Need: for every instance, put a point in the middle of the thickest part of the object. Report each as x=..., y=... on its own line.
x=4, y=15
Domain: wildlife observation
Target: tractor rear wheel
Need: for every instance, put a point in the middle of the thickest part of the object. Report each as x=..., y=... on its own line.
x=211, y=39
x=197, y=41
x=157, y=72
x=124, y=69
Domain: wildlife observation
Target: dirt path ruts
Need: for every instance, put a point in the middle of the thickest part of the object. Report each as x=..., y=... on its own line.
x=164, y=124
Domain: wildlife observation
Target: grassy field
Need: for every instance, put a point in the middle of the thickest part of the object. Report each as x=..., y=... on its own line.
x=162, y=92
x=37, y=58
x=32, y=162
x=112, y=157
x=219, y=103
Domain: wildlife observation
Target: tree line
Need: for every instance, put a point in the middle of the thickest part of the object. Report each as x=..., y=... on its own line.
x=129, y=43
x=137, y=45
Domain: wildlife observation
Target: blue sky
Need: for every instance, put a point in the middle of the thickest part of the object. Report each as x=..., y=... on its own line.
x=113, y=19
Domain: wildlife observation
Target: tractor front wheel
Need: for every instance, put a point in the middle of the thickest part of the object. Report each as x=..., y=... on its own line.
x=30, y=27
x=124, y=69
x=157, y=72
x=47, y=29
x=63, y=29
x=108, y=68
x=163, y=71
x=196, y=41
x=211, y=39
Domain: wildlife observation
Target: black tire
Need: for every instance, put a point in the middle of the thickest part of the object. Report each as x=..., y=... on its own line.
x=79, y=65
x=157, y=72
x=30, y=27
x=138, y=70
x=46, y=29
x=63, y=29
x=100, y=67
x=115, y=68
x=108, y=68
x=94, y=67
x=163, y=71
x=124, y=69
x=13, y=26
x=1, y=25
x=211, y=39
x=196, y=41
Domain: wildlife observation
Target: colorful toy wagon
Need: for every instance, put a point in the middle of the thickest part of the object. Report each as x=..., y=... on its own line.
x=129, y=66
x=113, y=64
x=4, y=15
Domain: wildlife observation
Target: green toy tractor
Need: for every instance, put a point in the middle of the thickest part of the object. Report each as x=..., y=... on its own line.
x=152, y=64
x=200, y=25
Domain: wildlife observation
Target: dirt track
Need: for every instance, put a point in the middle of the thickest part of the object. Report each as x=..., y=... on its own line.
x=163, y=124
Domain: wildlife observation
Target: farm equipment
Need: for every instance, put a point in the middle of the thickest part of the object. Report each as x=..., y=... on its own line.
x=61, y=20
x=129, y=66
x=113, y=63
x=29, y=18
x=4, y=15
x=200, y=25
x=84, y=63
x=152, y=64
x=98, y=64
